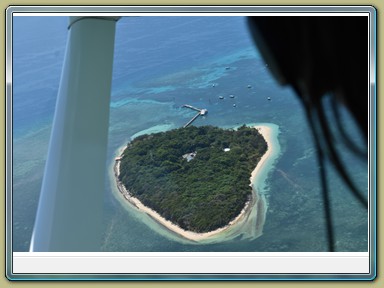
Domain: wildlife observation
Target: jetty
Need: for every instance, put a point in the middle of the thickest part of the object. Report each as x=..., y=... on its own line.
x=201, y=112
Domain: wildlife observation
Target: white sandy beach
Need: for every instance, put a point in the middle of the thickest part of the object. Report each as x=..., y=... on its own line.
x=266, y=132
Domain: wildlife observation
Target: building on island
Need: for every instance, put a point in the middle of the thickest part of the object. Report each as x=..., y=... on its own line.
x=190, y=156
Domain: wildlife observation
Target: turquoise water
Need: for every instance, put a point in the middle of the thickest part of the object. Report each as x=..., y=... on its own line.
x=160, y=64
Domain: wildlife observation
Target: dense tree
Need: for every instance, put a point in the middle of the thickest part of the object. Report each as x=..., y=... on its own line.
x=204, y=193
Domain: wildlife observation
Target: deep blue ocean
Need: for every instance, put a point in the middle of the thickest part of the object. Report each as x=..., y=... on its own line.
x=161, y=63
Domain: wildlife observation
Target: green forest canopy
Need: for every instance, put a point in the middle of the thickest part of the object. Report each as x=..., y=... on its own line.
x=201, y=193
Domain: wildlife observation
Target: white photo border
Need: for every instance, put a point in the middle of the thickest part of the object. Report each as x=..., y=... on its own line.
x=17, y=262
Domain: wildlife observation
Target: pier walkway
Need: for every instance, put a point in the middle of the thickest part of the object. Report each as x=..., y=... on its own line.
x=202, y=112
